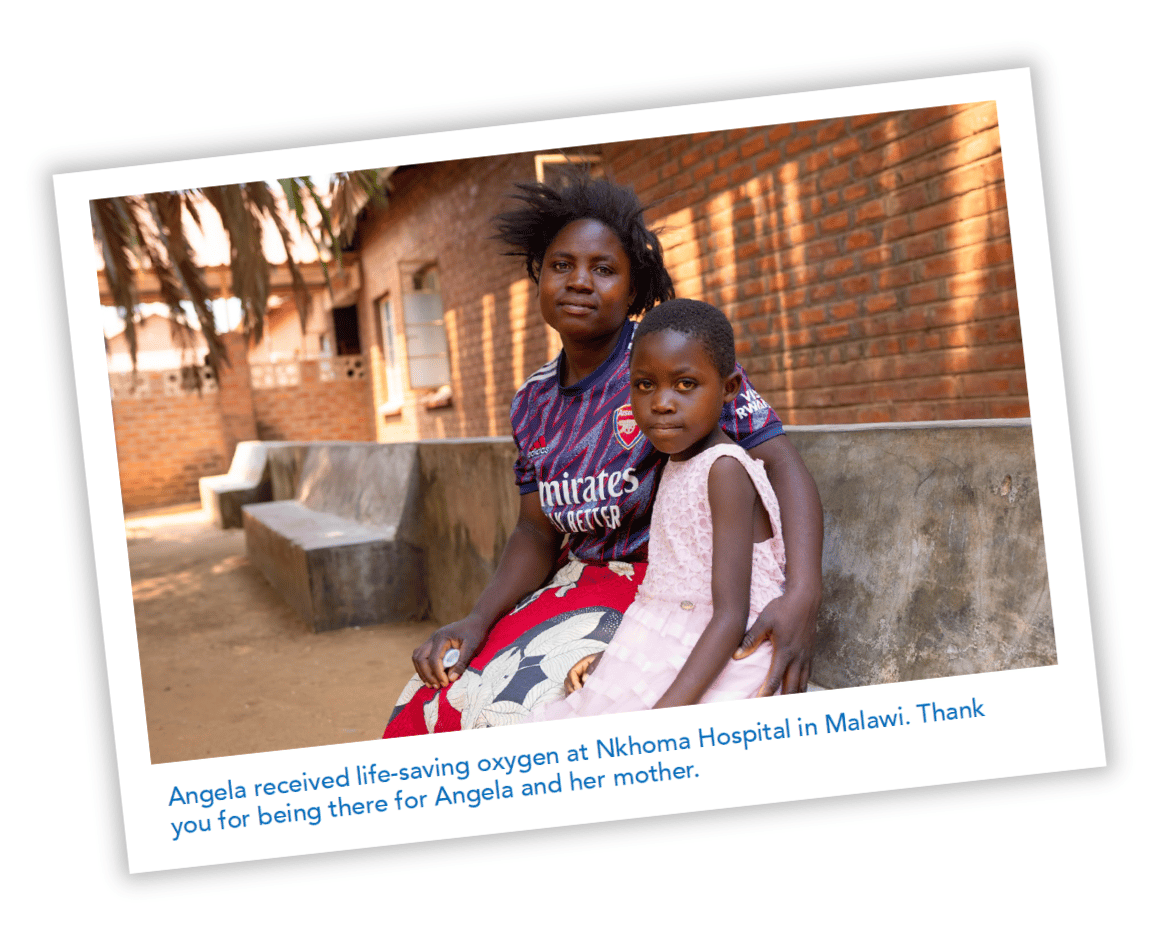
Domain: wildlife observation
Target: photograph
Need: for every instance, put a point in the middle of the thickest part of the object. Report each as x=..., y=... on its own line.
x=729, y=417
x=647, y=469
x=353, y=401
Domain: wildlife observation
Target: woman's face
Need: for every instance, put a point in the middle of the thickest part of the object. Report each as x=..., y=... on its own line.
x=585, y=288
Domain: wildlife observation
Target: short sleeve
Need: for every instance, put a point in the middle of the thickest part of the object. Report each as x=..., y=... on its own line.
x=749, y=420
x=524, y=470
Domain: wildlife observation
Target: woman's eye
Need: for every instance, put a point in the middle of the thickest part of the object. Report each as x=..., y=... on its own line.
x=604, y=270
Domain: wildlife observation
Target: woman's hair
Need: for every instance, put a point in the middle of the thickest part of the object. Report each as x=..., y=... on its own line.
x=694, y=319
x=529, y=229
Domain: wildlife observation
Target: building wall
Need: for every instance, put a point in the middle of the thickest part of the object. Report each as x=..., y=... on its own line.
x=338, y=410
x=166, y=442
x=864, y=261
x=168, y=435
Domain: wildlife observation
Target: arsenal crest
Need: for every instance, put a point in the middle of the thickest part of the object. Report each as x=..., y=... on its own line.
x=625, y=428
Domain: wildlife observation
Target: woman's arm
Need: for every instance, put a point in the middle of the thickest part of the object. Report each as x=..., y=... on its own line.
x=790, y=621
x=732, y=498
x=525, y=565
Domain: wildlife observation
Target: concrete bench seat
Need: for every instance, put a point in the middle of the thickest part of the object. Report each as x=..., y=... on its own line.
x=248, y=482
x=344, y=552
x=934, y=561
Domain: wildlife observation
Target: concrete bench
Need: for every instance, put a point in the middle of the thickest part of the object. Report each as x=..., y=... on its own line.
x=344, y=551
x=934, y=561
x=248, y=482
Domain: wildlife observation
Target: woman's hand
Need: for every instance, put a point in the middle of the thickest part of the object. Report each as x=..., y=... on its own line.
x=790, y=624
x=581, y=671
x=465, y=635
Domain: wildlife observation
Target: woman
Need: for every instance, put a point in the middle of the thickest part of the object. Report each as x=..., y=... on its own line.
x=586, y=472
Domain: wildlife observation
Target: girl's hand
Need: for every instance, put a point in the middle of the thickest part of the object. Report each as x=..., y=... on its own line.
x=580, y=672
x=465, y=635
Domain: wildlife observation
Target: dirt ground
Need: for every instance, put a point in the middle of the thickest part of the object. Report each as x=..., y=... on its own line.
x=228, y=667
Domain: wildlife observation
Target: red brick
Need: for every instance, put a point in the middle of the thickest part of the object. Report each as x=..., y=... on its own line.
x=908, y=199
x=881, y=302
x=835, y=222
x=833, y=332
x=923, y=292
x=895, y=276
x=844, y=148
x=780, y=132
x=896, y=228
x=835, y=177
x=859, y=239
x=817, y=161
x=796, y=145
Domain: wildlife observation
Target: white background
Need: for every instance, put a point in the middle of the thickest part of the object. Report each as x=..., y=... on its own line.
x=1055, y=848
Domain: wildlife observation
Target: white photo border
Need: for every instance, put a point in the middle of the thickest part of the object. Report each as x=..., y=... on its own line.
x=1036, y=720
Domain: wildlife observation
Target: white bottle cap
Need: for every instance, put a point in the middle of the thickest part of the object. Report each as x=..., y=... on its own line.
x=451, y=657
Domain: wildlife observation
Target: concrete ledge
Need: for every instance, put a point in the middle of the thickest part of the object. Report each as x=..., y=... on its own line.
x=469, y=506
x=344, y=551
x=934, y=561
x=248, y=482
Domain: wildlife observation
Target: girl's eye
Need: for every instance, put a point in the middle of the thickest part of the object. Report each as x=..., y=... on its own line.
x=686, y=384
x=642, y=384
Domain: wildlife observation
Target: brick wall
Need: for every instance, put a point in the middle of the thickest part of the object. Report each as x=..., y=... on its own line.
x=864, y=261
x=315, y=410
x=164, y=444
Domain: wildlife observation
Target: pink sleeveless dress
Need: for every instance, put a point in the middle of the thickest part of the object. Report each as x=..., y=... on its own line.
x=674, y=603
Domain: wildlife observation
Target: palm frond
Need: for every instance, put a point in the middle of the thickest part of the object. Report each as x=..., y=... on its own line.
x=167, y=212
x=113, y=232
x=263, y=196
x=352, y=192
x=247, y=263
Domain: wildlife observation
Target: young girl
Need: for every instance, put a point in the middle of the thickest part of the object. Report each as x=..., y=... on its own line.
x=715, y=549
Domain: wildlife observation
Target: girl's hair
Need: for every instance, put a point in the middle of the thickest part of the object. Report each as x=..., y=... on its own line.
x=694, y=319
x=529, y=229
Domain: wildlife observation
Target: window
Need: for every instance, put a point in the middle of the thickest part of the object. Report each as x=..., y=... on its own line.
x=427, y=347
x=389, y=347
x=551, y=167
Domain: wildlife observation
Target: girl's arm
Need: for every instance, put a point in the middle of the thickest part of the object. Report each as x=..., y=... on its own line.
x=790, y=621
x=732, y=498
x=525, y=565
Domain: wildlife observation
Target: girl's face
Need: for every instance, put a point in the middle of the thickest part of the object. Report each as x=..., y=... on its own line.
x=585, y=290
x=677, y=393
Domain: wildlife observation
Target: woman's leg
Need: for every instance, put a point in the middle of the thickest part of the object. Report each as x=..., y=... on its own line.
x=527, y=655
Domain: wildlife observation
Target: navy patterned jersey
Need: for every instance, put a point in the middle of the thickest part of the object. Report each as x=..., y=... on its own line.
x=595, y=473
